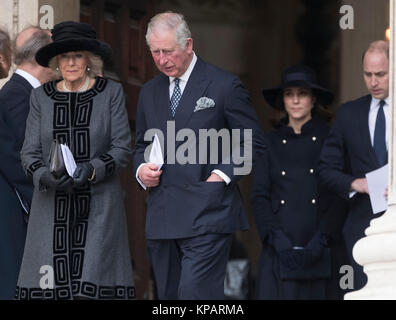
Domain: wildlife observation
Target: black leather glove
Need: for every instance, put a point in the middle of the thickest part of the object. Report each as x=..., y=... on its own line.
x=50, y=181
x=82, y=173
x=284, y=249
x=279, y=241
x=314, y=250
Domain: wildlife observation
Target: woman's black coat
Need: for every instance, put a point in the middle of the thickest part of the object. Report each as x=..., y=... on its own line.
x=287, y=198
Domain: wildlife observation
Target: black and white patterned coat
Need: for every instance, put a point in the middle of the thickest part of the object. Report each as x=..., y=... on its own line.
x=81, y=234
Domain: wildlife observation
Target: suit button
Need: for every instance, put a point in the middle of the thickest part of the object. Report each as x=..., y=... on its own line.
x=284, y=141
x=283, y=173
x=283, y=201
x=313, y=138
x=311, y=171
x=186, y=185
x=313, y=201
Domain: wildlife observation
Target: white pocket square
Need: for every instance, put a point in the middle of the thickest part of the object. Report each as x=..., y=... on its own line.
x=204, y=103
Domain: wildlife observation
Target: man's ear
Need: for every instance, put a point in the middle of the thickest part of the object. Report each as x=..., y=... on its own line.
x=189, y=45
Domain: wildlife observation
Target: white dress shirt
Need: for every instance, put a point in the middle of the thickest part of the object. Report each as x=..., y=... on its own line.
x=184, y=78
x=182, y=84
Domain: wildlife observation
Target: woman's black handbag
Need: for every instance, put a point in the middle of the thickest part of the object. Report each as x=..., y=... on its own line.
x=57, y=164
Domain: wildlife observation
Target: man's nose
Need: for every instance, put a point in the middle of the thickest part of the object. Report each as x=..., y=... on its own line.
x=374, y=81
x=162, y=59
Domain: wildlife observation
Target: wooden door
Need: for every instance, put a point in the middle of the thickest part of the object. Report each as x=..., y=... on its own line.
x=122, y=24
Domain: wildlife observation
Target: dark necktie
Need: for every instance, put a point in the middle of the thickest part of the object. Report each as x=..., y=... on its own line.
x=176, y=96
x=379, y=136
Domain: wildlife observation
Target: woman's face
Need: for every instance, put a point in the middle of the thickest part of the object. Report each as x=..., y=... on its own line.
x=73, y=65
x=4, y=65
x=298, y=103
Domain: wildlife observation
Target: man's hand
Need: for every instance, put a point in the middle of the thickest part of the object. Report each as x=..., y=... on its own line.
x=360, y=186
x=214, y=178
x=149, y=175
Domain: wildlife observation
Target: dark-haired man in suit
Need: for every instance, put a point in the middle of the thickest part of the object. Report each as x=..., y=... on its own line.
x=194, y=208
x=358, y=144
x=15, y=189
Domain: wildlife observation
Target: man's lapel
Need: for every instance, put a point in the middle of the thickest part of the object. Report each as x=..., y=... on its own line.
x=196, y=85
x=365, y=131
x=162, y=104
x=195, y=88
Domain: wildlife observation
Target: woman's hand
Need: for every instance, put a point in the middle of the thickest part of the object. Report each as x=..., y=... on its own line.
x=82, y=173
x=50, y=181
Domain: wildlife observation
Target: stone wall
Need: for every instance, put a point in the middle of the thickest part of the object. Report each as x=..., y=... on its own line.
x=15, y=15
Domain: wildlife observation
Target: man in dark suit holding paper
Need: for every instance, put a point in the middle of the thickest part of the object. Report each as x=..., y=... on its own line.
x=358, y=144
x=194, y=205
x=16, y=189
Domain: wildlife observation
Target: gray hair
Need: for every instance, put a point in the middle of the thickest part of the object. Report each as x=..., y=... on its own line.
x=95, y=63
x=5, y=45
x=170, y=21
x=27, y=51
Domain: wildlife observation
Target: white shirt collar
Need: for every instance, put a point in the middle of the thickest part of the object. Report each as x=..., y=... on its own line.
x=34, y=82
x=186, y=75
x=375, y=102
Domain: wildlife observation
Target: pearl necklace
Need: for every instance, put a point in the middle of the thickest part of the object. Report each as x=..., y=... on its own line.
x=84, y=87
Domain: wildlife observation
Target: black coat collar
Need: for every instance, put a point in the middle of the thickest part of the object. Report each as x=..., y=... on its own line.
x=307, y=129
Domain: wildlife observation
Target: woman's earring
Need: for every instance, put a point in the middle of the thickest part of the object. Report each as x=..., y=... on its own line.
x=88, y=69
x=57, y=69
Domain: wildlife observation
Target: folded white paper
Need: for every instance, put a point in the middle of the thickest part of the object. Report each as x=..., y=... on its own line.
x=377, y=182
x=68, y=158
x=156, y=156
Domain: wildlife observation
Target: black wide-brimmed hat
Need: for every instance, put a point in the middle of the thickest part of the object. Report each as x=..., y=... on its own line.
x=72, y=36
x=298, y=76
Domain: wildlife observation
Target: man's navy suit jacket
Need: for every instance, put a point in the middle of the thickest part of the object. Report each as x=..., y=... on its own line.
x=14, y=109
x=184, y=205
x=347, y=155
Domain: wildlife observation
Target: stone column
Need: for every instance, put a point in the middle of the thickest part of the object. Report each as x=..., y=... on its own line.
x=377, y=251
x=17, y=14
x=14, y=16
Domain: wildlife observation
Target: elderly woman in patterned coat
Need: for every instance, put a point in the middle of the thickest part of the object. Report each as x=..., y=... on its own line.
x=299, y=222
x=77, y=243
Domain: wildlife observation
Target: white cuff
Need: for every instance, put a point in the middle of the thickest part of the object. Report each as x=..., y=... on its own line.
x=137, y=177
x=223, y=176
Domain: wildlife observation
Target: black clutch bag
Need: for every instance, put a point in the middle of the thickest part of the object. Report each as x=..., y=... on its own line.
x=57, y=164
x=321, y=269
